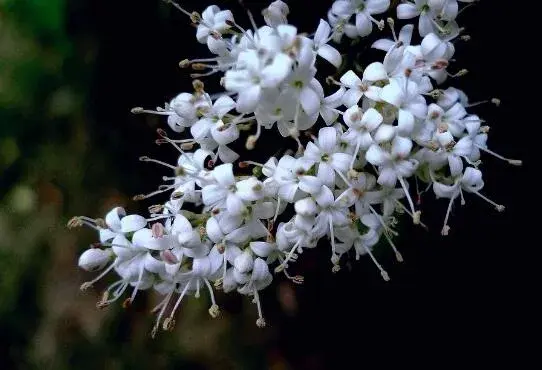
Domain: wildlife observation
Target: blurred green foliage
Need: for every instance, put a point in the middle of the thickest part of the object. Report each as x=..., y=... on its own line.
x=48, y=173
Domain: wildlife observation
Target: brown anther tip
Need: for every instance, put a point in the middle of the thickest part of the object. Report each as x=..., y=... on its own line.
x=198, y=66
x=100, y=222
x=161, y=132
x=243, y=164
x=187, y=146
x=127, y=303
x=169, y=324
x=138, y=197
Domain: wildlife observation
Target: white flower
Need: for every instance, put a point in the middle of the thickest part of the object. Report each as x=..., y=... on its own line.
x=326, y=154
x=321, y=38
x=358, y=88
x=363, y=10
x=213, y=23
x=361, y=126
x=405, y=95
x=253, y=75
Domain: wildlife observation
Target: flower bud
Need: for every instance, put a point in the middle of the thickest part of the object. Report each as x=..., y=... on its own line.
x=94, y=259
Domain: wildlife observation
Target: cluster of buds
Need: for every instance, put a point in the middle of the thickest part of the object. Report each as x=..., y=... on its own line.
x=231, y=223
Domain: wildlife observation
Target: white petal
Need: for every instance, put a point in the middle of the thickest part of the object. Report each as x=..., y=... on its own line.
x=324, y=198
x=234, y=204
x=392, y=94
x=401, y=147
x=227, y=155
x=341, y=161
x=350, y=79
x=248, y=99
x=225, y=134
x=407, y=11
x=456, y=165
x=143, y=238
x=383, y=44
x=364, y=25
x=405, y=35
x=330, y=54
x=201, y=266
x=387, y=177
x=223, y=105
x=445, y=191
x=309, y=100
x=260, y=270
x=371, y=119
x=327, y=139
x=376, y=155
x=310, y=184
x=262, y=249
x=243, y=262
x=384, y=133
x=405, y=122
x=322, y=32
x=306, y=207
x=229, y=223
x=277, y=71
x=352, y=96
x=224, y=174
x=375, y=72
x=213, y=230
x=132, y=223
x=212, y=194
x=250, y=189
x=113, y=217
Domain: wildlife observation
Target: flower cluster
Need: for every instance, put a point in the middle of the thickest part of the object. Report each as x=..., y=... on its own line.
x=375, y=134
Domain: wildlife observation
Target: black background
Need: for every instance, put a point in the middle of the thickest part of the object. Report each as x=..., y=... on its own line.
x=460, y=297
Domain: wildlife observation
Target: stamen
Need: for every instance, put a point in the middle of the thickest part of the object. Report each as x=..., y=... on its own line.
x=88, y=284
x=498, y=207
x=445, y=227
x=383, y=272
x=164, y=305
x=515, y=162
x=214, y=310
x=169, y=322
x=261, y=321
x=147, y=159
x=415, y=214
x=391, y=23
x=281, y=267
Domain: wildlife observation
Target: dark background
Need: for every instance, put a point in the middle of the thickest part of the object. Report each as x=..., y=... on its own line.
x=71, y=72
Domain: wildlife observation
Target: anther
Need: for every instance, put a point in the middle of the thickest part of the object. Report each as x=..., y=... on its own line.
x=214, y=311
x=260, y=322
x=184, y=63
